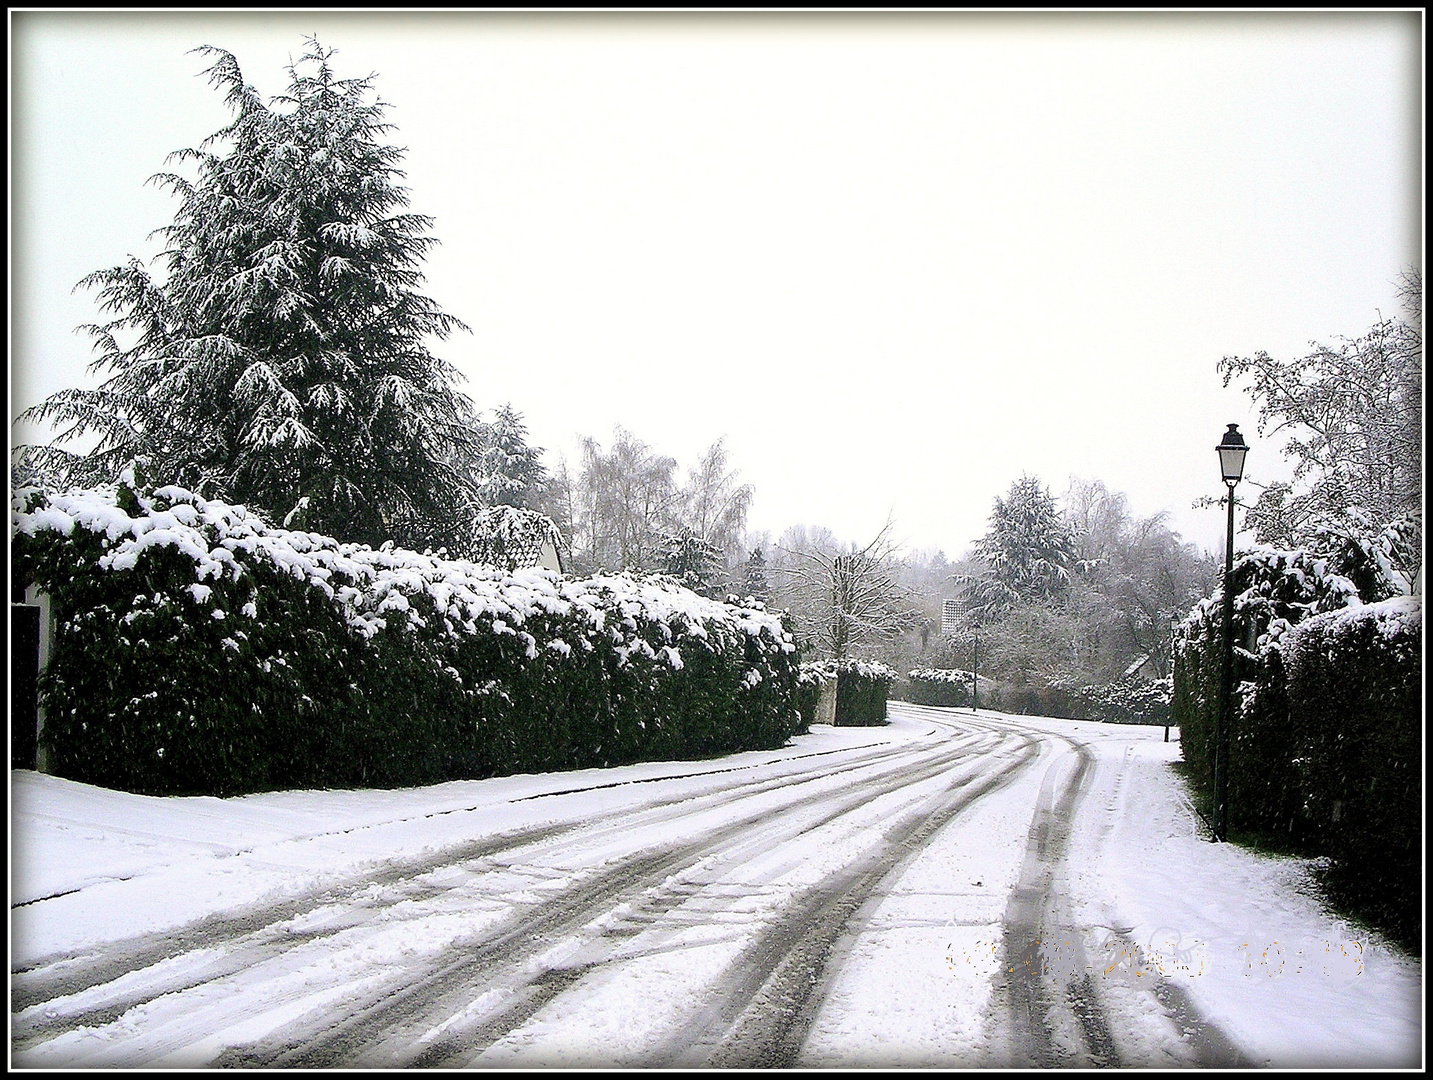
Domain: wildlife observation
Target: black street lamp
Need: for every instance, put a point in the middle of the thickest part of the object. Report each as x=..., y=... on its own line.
x=1231, y=465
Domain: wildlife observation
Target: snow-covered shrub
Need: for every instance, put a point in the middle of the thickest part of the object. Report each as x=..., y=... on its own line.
x=198, y=649
x=1354, y=689
x=1381, y=561
x=1129, y=701
x=1053, y=697
x=949, y=687
x=1325, y=741
x=1264, y=787
x=1273, y=591
x=862, y=687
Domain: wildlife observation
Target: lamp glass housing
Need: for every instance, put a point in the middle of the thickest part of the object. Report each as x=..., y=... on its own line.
x=1231, y=455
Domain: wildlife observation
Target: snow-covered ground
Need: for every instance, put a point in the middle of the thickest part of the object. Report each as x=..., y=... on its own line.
x=868, y=885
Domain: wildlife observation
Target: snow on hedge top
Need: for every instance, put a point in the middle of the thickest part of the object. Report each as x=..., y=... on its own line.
x=1395, y=619
x=1279, y=589
x=866, y=669
x=943, y=675
x=373, y=585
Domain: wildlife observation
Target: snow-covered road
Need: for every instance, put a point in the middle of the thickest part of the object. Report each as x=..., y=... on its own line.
x=946, y=890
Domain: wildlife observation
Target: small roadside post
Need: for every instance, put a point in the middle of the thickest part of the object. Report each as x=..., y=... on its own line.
x=975, y=678
x=1173, y=648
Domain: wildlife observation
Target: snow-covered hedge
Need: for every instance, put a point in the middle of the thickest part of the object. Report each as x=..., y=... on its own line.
x=1130, y=700
x=949, y=687
x=198, y=649
x=1354, y=700
x=1325, y=746
x=862, y=687
x=1274, y=590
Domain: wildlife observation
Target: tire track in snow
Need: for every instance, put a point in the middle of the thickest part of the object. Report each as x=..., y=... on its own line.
x=255, y=933
x=1204, y=1041
x=763, y=1007
x=1030, y=921
x=241, y=940
x=782, y=976
x=1055, y=1013
x=255, y=936
x=385, y=1031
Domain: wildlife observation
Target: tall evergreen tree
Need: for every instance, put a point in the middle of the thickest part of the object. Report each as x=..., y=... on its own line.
x=754, y=581
x=509, y=472
x=694, y=561
x=280, y=361
x=1028, y=552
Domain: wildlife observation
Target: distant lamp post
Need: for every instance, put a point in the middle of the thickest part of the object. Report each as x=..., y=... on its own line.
x=1231, y=465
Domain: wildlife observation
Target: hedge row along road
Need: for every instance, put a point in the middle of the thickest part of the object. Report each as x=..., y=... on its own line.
x=901, y=900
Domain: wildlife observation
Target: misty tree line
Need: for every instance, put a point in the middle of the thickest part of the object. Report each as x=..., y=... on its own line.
x=280, y=358
x=1073, y=593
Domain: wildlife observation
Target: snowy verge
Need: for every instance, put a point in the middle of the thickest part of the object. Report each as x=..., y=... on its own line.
x=1244, y=935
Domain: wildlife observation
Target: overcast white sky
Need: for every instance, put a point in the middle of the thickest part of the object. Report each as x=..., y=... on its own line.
x=895, y=260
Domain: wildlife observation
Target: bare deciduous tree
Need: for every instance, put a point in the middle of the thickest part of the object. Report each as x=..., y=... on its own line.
x=1355, y=414
x=850, y=598
x=624, y=502
x=713, y=505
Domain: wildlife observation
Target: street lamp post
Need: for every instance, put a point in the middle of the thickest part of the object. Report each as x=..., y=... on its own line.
x=1231, y=465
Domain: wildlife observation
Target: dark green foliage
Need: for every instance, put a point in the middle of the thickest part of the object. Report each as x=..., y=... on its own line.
x=1040, y=699
x=693, y=561
x=1196, y=688
x=1273, y=590
x=860, y=699
x=1354, y=701
x=1260, y=778
x=1130, y=700
x=947, y=688
x=754, y=581
x=1028, y=550
x=862, y=689
x=164, y=682
x=507, y=471
x=1325, y=748
x=1263, y=783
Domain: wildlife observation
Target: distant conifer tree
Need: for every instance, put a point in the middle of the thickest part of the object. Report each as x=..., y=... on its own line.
x=509, y=471
x=693, y=560
x=754, y=582
x=1028, y=551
